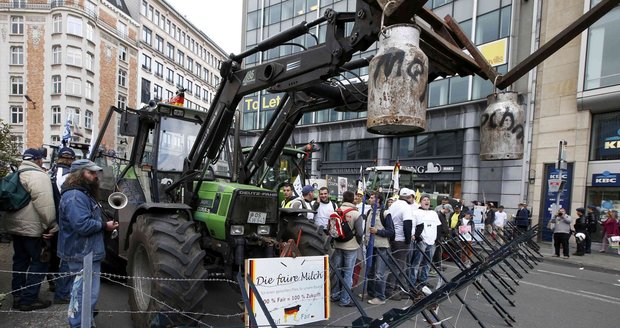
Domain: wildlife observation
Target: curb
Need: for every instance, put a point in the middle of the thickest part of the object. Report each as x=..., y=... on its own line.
x=574, y=262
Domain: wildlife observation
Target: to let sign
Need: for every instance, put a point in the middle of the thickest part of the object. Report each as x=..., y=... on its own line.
x=295, y=290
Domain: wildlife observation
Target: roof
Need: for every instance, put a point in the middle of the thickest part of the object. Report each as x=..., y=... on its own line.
x=120, y=4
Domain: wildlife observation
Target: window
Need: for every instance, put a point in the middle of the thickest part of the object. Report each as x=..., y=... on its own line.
x=88, y=90
x=493, y=26
x=158, y=92
x=74, y=114
x=159, y=43
x=144, y=8
x=74, y=86
x=17, y=85
x=170, y=52
x=56, y=115
x=56, y=55
x=169, y=94
x=199, y=70
x=181, y=58
x=169, y=75
x=55, y=139
x=90, y=61
x=351, y=150
x=159, y=69
x=146, y=35
x=74, y=25
x=90, y=32
x=605, y=137
x=122, y=53
x=190, y=64
x=88, y=119
x=122, y=78
x=74, y=56
x=121, y=102
x=149, y=13
x=424, y=145
x=180, y=80
x=17, y=55
x=198, y=91
x=122, y=28
x=57, y=23
x=145, y=61
x=56, y=84
x=602, y=65
x=91, y=8
x=189, y=87
x=146, y=91
x=17, y=115
x=17, y=25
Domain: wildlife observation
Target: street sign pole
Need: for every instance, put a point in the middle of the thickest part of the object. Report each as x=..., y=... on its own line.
x=560, y=165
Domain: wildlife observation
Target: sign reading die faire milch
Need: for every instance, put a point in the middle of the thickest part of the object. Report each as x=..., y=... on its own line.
x=295, y=290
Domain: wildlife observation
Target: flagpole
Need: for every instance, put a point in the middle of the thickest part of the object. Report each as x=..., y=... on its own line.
x=370, y=247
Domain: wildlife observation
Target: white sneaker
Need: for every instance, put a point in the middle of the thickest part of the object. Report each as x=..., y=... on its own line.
x=376, y=301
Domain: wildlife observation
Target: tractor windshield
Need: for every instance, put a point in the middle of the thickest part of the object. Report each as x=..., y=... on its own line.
x=381, y=180
x=176, y=138
x=286, y=169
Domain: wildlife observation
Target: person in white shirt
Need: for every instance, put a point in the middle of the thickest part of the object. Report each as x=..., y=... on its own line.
x=426, y=221
x=401, y=212
x=324, y=208
x=500, y=220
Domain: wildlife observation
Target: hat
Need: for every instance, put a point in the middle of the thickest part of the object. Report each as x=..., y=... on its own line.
x=445, y=198
x=469, y=212
x=66, y=152
x=406, y=192
x=307, y=189
x=592, y=207
x=32, y=154
x=448, y=206
x=458, y=205
x=84, y=164
x=581, y=210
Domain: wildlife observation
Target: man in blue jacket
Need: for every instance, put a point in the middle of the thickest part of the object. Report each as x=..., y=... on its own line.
x=81, y=231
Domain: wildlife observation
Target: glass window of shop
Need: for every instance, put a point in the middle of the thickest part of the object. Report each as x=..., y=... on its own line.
x=605, y=143
x=427, y=145
x=351, y=150
x=602, y=64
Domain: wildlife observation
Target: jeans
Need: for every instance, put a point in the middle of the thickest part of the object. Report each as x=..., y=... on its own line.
x=377, y=274
x=64, y=284
x=27, y=258
x=344, y=262
x=400, y=251
x=561, y=239
x=416, y=260
x=75, y=305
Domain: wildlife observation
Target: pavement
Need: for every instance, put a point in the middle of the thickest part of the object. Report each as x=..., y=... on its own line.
x=602, y=262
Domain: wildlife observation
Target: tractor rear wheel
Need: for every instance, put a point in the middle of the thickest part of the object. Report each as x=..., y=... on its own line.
x=166, y=246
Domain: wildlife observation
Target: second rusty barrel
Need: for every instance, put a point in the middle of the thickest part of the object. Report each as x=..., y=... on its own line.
x=502, y=127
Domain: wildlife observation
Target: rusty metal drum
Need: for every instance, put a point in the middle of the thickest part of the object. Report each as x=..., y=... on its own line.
x=397, y=81
x=502, y=127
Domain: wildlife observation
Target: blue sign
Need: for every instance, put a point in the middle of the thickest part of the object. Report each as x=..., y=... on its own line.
x=606, y=179
x=550, y=197
x=611, y=145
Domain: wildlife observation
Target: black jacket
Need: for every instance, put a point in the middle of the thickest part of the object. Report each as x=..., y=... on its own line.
x=580, y=224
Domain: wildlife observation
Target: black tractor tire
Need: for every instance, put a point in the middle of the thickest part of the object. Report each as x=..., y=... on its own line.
x=313, y=239
x=166, y=246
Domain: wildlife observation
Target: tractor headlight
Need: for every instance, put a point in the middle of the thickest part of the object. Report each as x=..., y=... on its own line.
x=263, y=230
x=236, y=230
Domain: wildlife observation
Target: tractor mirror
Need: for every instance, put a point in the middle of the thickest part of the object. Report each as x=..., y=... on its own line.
x=129, y=124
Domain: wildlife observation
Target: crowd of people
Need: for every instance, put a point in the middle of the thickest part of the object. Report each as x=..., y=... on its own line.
x=405, y=227
x=585, y=223
x=58, y=227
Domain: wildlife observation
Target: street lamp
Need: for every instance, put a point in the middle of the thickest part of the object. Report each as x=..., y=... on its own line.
x=34, y=103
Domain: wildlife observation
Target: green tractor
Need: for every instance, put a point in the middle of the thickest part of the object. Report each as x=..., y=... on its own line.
x=178, y=223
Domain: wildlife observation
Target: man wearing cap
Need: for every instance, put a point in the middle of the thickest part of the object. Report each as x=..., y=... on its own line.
x=402, y=214
x=66, y=156
x=305, y=201
x=440, y=208
x=81, y=231
x=522, y=218
x=581, y=227
x=426, y=222
x=27, y=227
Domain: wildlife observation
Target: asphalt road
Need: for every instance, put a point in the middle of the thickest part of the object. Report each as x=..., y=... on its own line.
x=551, y=295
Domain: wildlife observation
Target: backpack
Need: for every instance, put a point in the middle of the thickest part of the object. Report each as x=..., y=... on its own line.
x=339, y=227
x=13, y=196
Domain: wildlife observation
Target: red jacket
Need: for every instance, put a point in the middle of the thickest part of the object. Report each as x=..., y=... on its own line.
x=610, y=227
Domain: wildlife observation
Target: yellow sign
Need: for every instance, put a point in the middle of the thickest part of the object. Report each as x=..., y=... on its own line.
x=495, y=52
x=266, y=102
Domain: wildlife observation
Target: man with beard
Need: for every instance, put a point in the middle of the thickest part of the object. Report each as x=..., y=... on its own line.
x=81, y=231
x=324, y=208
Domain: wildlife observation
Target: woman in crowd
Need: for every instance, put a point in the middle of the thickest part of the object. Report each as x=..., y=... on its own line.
x=610, y=228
